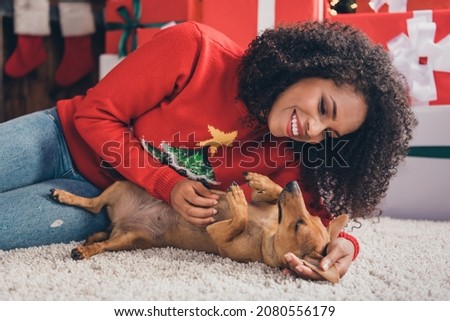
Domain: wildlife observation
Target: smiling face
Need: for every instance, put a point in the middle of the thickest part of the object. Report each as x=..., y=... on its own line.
x=312, y=108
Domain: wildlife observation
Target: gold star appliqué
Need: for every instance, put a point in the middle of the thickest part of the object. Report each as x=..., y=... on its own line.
x=217, y=139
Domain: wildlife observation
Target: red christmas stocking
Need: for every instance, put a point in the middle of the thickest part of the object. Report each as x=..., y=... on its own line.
x=31, y=24
x=28, y=55
x=77, y=61
x=77, y=26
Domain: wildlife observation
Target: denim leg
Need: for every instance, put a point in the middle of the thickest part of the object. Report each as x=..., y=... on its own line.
x=32, y=150
x=30, y=217
x=34, y=158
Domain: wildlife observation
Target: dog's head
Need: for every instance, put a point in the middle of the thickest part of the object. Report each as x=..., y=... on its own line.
x=303, y=234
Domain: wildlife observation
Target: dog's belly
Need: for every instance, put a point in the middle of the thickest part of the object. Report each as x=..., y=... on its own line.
x=159, y=222
x=182, y=234
x=188, y=237
x=162, y=226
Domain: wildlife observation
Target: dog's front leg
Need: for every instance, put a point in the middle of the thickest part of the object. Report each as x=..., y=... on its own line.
x=225, y=231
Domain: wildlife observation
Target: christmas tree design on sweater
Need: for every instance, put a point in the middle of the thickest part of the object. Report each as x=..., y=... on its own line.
x=192, y=163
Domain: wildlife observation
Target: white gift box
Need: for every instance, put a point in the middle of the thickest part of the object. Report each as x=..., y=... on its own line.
x=107, y=62
x=421, y=188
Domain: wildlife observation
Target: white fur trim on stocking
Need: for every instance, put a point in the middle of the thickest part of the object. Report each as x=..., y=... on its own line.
x=32, y=17
x=76, y=19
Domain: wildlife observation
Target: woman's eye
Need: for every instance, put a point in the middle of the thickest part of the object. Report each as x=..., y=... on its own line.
x=323, y=111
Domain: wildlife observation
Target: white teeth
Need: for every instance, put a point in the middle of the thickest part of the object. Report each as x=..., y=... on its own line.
x=294, y=125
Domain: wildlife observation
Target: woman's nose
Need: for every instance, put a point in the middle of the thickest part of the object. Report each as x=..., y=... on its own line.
x=315, y=129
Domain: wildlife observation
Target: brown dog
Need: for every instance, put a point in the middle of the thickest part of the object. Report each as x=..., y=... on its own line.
x=274, y=223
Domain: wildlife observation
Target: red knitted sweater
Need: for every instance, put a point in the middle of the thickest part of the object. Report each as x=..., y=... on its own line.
x=176, y=93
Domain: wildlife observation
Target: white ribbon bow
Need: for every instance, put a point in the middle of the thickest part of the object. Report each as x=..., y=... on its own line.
x=394, y=5
x=417, y=56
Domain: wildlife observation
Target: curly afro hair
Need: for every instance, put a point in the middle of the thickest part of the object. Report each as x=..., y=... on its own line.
x=280, y=57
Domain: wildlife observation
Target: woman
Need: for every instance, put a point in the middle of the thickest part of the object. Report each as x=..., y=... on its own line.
x=191, y=103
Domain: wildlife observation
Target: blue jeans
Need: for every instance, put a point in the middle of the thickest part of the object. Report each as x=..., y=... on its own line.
x=34, y=158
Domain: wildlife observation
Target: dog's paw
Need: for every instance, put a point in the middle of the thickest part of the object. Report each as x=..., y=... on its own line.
x=257, y=182
x=60, y=196
x=79, y=253
x=263, y=188
x=55, y=193
x=235, y=196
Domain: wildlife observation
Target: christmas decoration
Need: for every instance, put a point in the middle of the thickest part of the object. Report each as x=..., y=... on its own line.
x=419, y=42
x=130, y=23
x=243, y=20
x=394, y=6
x=342, y=6
x=124, y=17
x=418, y=56
x=77, y=25
x=31, y=24
x=400, y=5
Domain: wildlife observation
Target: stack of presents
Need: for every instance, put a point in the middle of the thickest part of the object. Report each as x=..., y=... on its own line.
x=415, y=32
x=417, y=35
x=129, y=23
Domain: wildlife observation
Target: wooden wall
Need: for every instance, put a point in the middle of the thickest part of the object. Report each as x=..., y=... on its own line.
x=38, y=90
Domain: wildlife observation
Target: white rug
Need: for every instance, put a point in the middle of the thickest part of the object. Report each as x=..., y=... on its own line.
x=399, y=260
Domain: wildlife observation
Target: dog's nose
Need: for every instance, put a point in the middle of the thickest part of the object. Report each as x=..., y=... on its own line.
x=292, y=187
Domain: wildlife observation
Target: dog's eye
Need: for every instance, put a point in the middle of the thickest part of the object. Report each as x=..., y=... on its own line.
x=298, y=223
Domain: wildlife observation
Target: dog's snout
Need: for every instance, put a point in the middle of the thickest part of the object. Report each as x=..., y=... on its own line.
x=292, y=187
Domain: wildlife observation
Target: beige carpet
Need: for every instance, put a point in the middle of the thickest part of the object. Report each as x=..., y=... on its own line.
x=399, y=260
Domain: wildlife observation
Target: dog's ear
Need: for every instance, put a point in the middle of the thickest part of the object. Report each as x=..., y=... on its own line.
x=313, y=261
x=333, y=229
x=331, y=275
x=336, y=226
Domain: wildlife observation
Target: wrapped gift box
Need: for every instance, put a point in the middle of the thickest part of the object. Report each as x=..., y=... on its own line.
x=123, y=17
x=108, y=61
x=419, y=42
x=400, y=5
x=241, y=20
x=420, y=190
x=126, y=20
x=145, y=34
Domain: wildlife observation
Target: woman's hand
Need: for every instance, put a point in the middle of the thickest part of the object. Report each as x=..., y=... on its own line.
x=339, y=252
x=194, y=202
